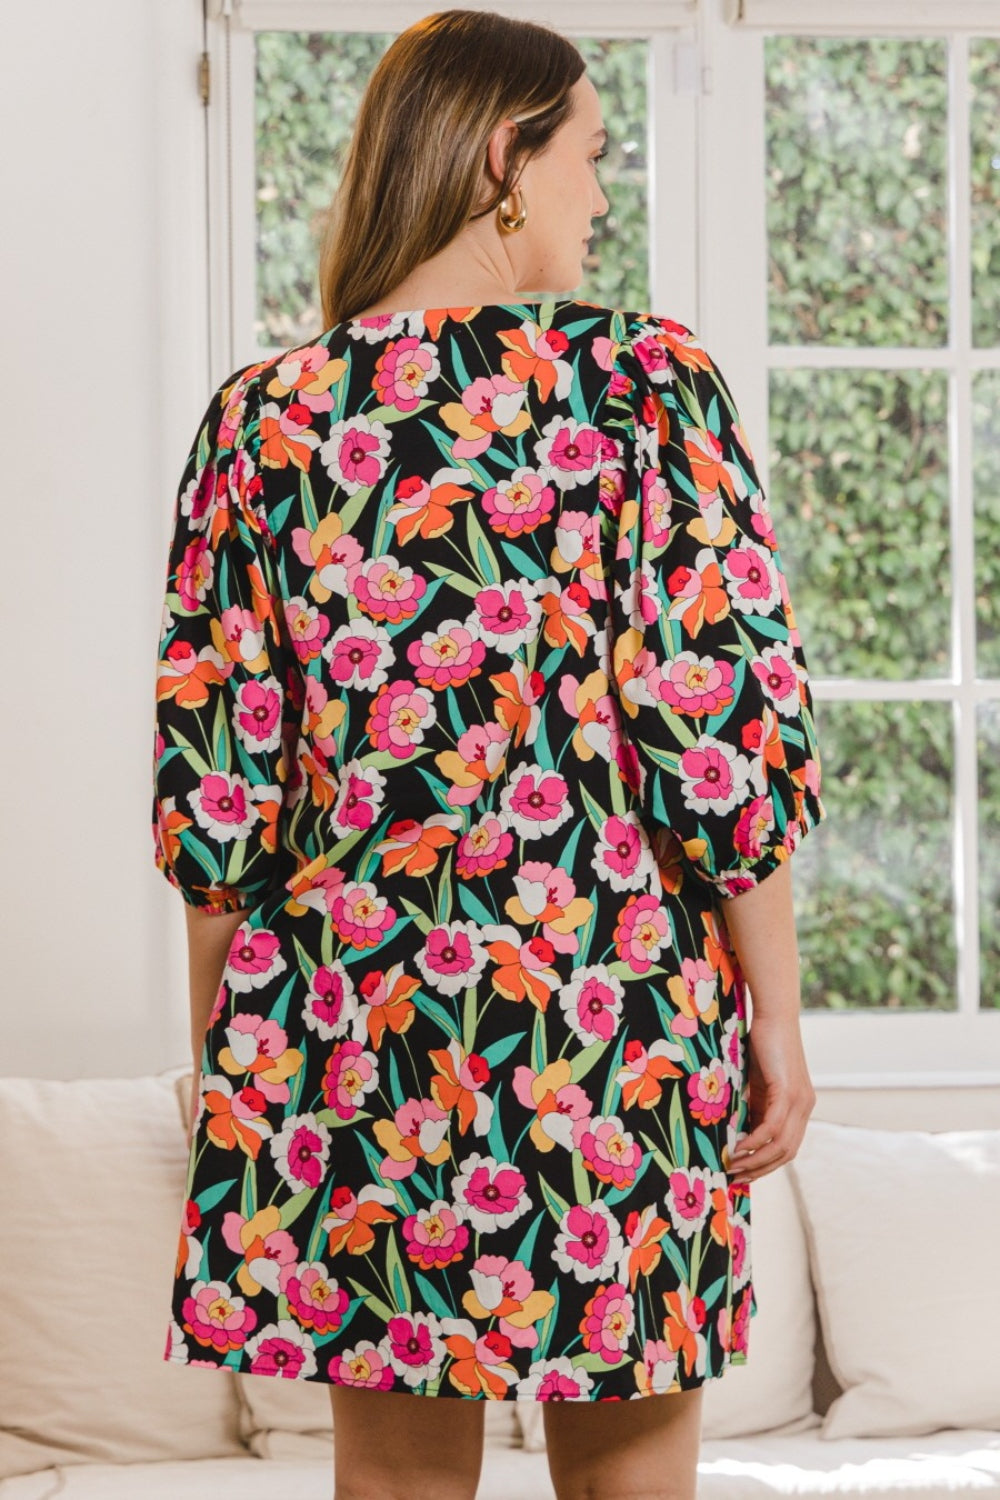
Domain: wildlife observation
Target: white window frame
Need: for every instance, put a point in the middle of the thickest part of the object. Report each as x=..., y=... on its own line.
x=706, y=63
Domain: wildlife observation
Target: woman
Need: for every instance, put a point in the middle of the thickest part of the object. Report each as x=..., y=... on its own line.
x=483, y=741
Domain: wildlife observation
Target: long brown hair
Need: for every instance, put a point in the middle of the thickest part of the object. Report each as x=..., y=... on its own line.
x=412, y=174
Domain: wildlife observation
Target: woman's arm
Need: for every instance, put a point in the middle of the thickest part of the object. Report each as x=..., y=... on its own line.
x=761, y=924
x=209, y=936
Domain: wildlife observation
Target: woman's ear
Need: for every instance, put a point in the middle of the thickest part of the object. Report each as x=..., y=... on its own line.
x=500, y=145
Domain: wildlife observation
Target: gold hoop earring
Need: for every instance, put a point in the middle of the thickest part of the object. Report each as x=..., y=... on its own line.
x=511, y=223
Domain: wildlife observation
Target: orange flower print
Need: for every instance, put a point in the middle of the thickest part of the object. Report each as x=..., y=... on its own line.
x=644, y=1229
x=459, y=1083
x=387, y=998
x=415, y=847
x=423, y=507
x=536, y=354
x=351, y=1221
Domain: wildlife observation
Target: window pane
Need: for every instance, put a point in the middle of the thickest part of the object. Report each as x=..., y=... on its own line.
x=874, y=892
x=308, y=89
x=617, y=269
x=989, y=854
x=984, y=79
x=859, y=491
x=856, y=190
x=986, y=485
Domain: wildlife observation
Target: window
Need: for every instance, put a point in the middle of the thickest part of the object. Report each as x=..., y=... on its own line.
x=814, y=189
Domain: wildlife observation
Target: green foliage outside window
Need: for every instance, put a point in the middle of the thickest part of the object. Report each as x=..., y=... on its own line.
x=857, y=221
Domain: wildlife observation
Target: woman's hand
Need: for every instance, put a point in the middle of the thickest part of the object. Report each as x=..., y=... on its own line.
x=781, y=1098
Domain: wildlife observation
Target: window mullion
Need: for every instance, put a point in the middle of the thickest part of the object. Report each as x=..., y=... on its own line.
x=962, y=525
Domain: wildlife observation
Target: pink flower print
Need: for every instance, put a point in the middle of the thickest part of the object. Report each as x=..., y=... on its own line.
x=355, y=453
x=360, y=915
x=453, y=956
x=257, y=714
x=547, y=895
x=314, y=1297
x=266, y=1247
x=404, y=371
x=589, y=1242
x=573, y=539
x=223, y=805
x=254, y=1044
x=485, y=848
x=751, y=579
x=372, y=329
x=658, y=1373
x=490, y=404
x=255, y=961
x=656, y=504
x=479, y=756
x=435, y=1236
x=608, y=1322
x=536, y=801
x=284, y=1349
x=643, y=931
x=714, y=775
x=336, y=556
x=761, y=520
x=301, y=1151
x=196, y=574
x=244, y=634
x=489, y=1193
x=351, y=1074
x=399, y=715
x=416, y=1132
x=737, y=1230
x=306, y=628
x=555, y=1380
x=623, y=857
x=519, y=504
x=366, y=1365
x=568, y=452
x=387, y=591
x=697, y=685
x=689, y=1199
x=359, y=655
x=709, y=1093
x=592, y=1003
x=608, y=1150
x=310, y=372
x=652, y=356
x=415, y=1347
x=756, y=822
x=507, y=615
x=775, y=670
x=360, y=795
x=505, y=1289
x=216, y=1318
x=641, y=599
x=695, y=992
x=556, y=1102
x=331, y=1005
x=446, y=657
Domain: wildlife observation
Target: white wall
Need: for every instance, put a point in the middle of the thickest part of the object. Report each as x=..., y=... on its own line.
x=104, y=346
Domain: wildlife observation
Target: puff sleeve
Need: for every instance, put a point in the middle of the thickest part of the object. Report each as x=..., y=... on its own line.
x=218, y=762
x=707, y=661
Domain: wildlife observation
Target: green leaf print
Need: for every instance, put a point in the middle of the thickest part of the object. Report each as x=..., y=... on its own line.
x=213, y=1195
x=294, y=1207
x=308, y=501
x=582, y=1183
x=395, y=1274
x=432, y=1296
x=678, y=1130
x=371, y=1299
x=556, y=1205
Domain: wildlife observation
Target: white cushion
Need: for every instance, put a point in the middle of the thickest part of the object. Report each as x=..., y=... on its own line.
x=92, y=1186
x=932, y=1468
x=903, y=1229
x=773, y=1388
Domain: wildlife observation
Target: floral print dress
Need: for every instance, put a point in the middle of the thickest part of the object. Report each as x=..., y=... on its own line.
x=479, y=693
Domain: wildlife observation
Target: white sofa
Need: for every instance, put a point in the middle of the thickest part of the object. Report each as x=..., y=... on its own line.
x=874, y=1356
